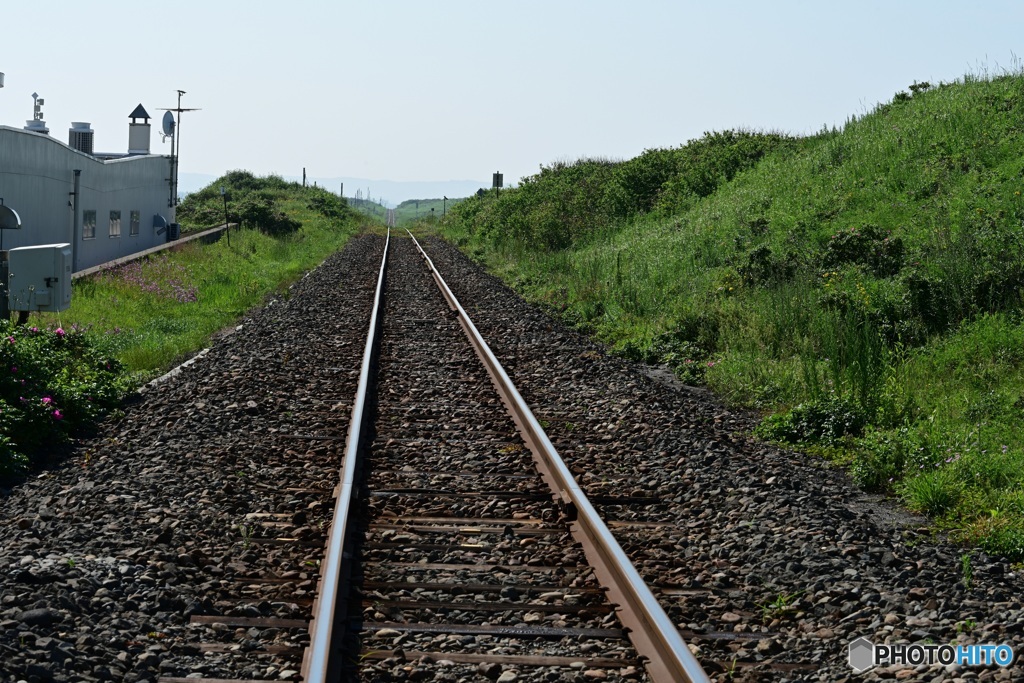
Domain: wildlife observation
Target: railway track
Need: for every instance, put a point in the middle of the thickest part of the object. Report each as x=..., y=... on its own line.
x=460, y=545
x=182, y=543
x=467, y=562
x=271, y=466
x=450, y=557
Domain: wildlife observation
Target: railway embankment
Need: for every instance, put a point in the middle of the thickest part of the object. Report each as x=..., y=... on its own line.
x=859, y=287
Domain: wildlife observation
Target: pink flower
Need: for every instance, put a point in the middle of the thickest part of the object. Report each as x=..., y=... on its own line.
x=10, y=339
x=59, y=331
x=57, y=415
x=47, y=400
x=33, y=329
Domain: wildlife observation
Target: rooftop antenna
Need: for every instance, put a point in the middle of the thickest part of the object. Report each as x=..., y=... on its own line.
x=174, y=131
x=36, y=124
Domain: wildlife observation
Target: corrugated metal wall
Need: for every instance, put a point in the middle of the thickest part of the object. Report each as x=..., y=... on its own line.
x=37, y=181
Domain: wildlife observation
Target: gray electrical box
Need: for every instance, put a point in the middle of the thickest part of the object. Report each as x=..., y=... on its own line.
x=40, y=278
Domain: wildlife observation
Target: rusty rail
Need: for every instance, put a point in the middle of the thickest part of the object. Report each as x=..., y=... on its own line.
x=317, y=659
x=653, y=634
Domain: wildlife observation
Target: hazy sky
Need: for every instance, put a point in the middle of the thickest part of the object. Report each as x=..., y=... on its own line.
x=444, y=90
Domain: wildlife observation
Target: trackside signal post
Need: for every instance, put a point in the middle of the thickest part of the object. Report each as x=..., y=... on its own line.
x=227, y=226
x=498, y=183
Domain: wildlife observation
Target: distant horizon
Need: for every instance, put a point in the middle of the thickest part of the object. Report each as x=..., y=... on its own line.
x=392, y=192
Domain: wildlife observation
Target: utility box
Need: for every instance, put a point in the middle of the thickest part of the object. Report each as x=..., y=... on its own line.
x=40, y=278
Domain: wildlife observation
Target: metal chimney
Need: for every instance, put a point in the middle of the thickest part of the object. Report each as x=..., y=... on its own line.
x=138, y=133
x=80, y=136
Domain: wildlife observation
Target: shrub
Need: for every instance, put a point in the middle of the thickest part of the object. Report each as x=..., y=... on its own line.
x=253, y=202
x=327, y=204
x=52, y=382
x=568, y=202
x=278, y=224
x=870, y=245
x=825, y=421
x=705, y=164
x=882, y=457
x=635, y=184
x=977, y=269
x=557, y=207
x=998, y=534
x=762, y=267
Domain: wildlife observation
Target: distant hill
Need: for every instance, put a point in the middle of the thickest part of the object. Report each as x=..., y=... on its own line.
x=412, y=210
x=373, y=208
x=390, y=192
x=394, y=192
x=409, y=211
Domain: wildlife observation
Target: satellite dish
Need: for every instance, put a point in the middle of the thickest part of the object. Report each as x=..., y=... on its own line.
x=9, y=218
x=168, y=124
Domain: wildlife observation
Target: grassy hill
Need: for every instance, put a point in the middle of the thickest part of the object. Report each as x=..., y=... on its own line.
x=414, y=210
x=150, y=313
x=367, y=207
x=863, y=287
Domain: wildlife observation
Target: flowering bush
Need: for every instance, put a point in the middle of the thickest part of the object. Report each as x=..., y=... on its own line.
x=51, y=383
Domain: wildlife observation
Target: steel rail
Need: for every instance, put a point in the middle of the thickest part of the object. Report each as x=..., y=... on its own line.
x=317, y=660
x=652, y=633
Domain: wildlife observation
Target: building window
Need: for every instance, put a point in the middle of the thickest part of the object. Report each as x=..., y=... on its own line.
x=133, y=229
x=88, y=225
x=115, y=223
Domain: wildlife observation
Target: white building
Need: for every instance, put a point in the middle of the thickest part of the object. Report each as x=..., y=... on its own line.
x=106, y=205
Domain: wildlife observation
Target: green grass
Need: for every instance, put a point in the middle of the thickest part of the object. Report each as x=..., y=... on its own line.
x=157, y=311
x=413, y=211
x=370, y=209
x=408, y=213
x=863, y=287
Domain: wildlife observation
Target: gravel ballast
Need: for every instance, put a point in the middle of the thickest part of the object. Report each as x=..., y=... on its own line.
x=768, y=544
x=105, y=560
x=761, y=556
